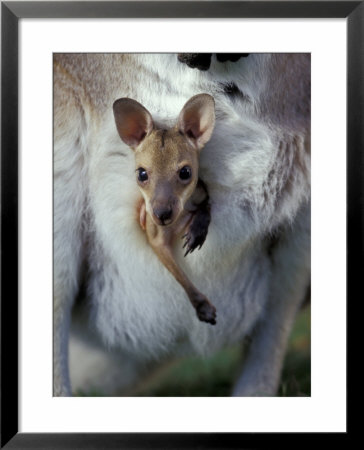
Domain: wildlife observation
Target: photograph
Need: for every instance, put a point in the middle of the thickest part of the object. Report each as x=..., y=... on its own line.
x=181, y=224
x=181, y=229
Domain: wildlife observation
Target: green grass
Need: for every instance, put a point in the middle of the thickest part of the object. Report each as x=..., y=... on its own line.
x=215, y=376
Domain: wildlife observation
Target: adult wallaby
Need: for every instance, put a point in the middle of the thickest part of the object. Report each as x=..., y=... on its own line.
x=255, y=263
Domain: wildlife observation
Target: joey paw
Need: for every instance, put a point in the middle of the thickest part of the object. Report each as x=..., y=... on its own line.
x=197, y=233
x=206, y=312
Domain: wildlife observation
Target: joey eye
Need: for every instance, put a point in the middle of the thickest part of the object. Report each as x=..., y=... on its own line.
x=185, y=173
x=142, y=174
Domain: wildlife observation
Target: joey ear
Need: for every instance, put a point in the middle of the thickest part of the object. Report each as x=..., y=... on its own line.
x=133, y=121
x=197, y=119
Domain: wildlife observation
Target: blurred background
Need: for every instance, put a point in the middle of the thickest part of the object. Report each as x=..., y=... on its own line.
x=215, y=376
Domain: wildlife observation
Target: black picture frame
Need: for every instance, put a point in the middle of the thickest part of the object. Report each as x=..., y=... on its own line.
x=11, y=12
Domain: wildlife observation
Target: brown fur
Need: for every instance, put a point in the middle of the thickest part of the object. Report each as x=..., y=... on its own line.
x=162, y=154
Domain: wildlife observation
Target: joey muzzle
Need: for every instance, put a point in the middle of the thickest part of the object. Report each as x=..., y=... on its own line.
x=163, y=215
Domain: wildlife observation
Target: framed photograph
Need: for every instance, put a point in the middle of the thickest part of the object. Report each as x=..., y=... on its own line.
x=43, y=46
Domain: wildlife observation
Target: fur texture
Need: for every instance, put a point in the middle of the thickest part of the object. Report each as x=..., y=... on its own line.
x=254, y=265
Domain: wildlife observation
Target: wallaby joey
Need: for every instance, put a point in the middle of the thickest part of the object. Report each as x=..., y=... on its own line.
x=175, y=201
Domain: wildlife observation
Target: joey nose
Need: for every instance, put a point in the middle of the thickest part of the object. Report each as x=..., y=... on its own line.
x=163, y=214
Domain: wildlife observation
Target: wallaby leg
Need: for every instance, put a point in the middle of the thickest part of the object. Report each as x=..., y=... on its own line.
x=61, y=321
x=161, y=244
x=291, y=275
x=206, y=312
